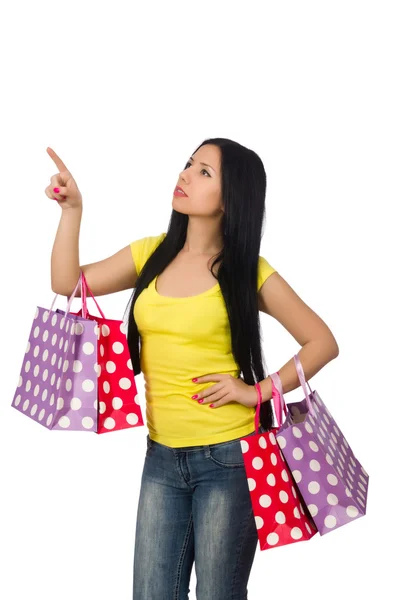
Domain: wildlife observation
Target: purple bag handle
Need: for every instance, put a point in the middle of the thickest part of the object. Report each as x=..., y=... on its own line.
x=84, y=286
x=303, y=382
x=279, y=403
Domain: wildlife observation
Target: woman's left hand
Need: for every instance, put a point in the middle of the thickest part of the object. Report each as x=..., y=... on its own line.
x=229, y=389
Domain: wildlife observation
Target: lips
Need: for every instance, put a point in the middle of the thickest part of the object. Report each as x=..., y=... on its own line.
x=178, y=190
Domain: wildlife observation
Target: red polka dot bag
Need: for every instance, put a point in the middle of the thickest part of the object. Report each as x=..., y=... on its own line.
x=118, y=402
x=329, y=476
x=77, y=374
x=280, y=513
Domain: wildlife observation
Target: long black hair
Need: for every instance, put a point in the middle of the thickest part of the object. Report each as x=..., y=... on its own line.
x=243, y=190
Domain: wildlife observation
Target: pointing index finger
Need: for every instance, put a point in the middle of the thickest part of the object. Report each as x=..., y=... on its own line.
x=58, y=161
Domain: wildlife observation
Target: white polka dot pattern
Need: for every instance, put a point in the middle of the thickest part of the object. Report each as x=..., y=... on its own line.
x=58, y=385
x=117, y=392
x=77, y=374
x=118, y=402
x=330, y=479
x=279, y=515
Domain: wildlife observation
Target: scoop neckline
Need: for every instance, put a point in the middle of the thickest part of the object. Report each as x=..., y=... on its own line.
x=206, y=293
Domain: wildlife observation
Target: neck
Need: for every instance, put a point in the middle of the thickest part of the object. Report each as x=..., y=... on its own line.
x=203, y=237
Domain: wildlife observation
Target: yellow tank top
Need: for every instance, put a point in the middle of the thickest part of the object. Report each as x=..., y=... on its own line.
x=182, y=338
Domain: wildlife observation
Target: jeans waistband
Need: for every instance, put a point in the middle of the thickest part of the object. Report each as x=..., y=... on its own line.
x=197, y=448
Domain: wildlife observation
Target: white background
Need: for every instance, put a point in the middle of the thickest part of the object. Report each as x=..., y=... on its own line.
x=124, y=92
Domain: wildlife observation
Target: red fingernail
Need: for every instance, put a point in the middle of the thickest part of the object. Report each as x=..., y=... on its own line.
x=195, y=379
x=194, y=397
x=211, y=406
x=56, y=190
x=201, y=400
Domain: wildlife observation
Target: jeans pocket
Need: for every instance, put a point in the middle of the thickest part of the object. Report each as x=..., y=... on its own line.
x=227, y=454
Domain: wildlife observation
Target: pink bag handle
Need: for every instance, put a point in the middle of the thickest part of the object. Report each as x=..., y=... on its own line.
x=84, y=311
x=278, y=396
x=278, y=400
x=84, y=286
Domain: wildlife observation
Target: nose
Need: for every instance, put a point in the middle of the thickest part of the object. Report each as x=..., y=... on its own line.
x=182, y=176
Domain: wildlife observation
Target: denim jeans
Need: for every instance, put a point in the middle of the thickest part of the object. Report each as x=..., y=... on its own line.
x=194, y=505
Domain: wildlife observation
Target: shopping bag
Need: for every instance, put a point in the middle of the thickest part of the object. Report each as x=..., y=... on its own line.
x=117, y=396
x=57, y=385
x=329, y=476
x=281, y=516
x=63, y=364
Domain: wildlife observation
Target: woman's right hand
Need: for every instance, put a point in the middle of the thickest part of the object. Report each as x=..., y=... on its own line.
x=69, y=194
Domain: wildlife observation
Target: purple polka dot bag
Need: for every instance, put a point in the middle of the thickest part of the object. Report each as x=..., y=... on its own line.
x=328, y=475
x=57, y=384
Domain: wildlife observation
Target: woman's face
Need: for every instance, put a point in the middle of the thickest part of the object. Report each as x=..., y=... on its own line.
x=201, y=183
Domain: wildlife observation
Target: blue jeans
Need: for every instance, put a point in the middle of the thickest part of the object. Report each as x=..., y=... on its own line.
x=194, y=505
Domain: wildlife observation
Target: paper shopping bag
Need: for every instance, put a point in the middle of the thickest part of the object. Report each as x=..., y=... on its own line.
x=118, y=401
x=329, y=476
x=281, y=516
x=57, y=384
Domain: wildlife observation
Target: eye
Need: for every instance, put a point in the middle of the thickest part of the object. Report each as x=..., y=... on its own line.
x=205, y=170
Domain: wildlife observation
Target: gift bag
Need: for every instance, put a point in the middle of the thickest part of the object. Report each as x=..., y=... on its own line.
x=281, y=516
x=57, y=384
x=60, y=378
x=118, y=401
x=329, y=476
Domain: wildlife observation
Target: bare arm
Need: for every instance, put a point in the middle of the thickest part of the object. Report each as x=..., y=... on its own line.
x=113, y=274
x=107, y=276
x=65, y=265
x=318, y=344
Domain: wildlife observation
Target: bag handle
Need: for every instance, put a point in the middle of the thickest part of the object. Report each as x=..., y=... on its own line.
x=278, y=396
x=84, y=293
x=83, y=283
x=84, y=286
x=303, y=382
x=279, y=389
x=278, y=400
x=70, y=298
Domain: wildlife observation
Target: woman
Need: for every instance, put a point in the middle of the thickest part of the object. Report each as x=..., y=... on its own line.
x=194, y=326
